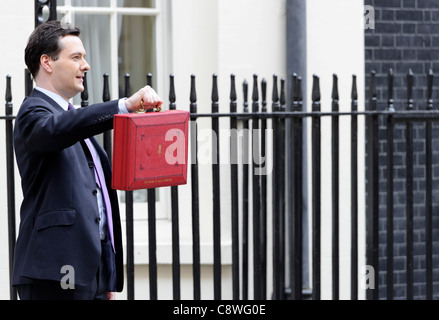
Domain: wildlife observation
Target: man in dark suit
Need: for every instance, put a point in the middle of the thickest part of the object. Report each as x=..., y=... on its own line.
x=69, y=244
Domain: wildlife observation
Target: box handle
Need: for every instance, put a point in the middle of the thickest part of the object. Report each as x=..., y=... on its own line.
x=142, y=110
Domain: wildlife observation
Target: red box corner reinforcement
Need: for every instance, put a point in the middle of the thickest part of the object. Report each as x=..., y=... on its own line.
x=150, y=150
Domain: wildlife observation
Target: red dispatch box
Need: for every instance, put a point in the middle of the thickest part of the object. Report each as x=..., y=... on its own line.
x=150, y=150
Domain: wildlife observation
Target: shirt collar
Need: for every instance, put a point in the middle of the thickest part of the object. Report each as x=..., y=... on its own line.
x=56, y=97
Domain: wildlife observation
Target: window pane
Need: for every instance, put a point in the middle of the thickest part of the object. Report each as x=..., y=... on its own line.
x=90, y=3
x=139, y=195
x=136, y=3
x=136, y=50
x=86, y=3
x=96, y=40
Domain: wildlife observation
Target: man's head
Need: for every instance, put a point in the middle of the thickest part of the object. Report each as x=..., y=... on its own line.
x=45, y=40
x=55, y=56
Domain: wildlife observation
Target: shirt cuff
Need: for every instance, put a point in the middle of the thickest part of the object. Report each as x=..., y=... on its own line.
x=122, y=107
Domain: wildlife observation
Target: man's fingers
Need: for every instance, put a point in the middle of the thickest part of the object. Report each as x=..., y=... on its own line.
x=150, y=97
x=145, y=98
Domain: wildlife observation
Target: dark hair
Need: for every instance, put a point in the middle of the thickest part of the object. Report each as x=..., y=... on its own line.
x=44, y=40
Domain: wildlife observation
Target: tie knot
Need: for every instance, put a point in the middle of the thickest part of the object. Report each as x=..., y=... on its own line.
x=71, y=107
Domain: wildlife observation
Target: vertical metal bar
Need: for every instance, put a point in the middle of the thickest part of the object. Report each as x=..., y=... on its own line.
x=389, y=231
x=28, y=83
x=256, y=192
x=175, y=215
x=354, y=190
x=149, y=83
x=409, y=206
x=304, y=272
x=372, y=192
x=299, y=191
x=234, y=189
x=282, y=191
x=216, y=194
x=296, y=212
x=278, y=290
x=10, y=177
x=39, y=5
x=245, y=201
x=152, y=235
x=263, y=222
x=107, y=134
x=194, y=188
x=316, y=189
x=129, y=217
x=84, y=93
x=152, y=246
x=335, y=192
x=429, y=193
x=291, y=199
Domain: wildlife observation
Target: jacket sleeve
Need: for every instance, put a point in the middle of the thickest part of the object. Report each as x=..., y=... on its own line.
x=45, y=129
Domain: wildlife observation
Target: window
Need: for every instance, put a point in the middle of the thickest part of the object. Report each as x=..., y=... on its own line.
x=120, y=37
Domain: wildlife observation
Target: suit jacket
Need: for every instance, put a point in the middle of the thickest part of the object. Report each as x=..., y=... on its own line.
x=59, y=214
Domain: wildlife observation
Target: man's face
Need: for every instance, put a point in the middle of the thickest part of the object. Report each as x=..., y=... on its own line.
x=68, y=70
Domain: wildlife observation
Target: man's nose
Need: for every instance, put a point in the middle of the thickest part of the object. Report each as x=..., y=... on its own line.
x=85, y=66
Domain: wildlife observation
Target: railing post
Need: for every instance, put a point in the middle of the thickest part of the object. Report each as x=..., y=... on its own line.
x=296, y=210
x=354, y=190
x=216, y=193
x=39, y=6
x=335, y=191
x=257, y=272
x=245, y=192
x=429, y=192
x=129, y=216
x=390, y=141
x=107, y=134
x=316, y=189
x=10, y=183
x=152, y=231
x=195, y=197
x=175, y=214
x=282, y=186
x=28, y=82
x=278, y=231
x=263, y=180
x=84, y=93
x=372, y=172
x=409, y=206
x=234, y=189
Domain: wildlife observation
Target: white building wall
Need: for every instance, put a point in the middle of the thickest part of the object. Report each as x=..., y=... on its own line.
x=16, y=24
x=335, y=44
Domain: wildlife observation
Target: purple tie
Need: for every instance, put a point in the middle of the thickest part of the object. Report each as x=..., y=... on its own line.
x=100, y=181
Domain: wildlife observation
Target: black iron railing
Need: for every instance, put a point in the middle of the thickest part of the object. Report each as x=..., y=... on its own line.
x=281, y=203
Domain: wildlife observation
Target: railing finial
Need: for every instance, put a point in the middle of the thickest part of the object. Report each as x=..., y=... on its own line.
x=390, y=90
x=106, y=93
x=172, y=97
x=84, y=93
x=193, y=96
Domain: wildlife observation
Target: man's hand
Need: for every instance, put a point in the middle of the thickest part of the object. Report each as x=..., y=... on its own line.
x=148, y=96
x=111, y=295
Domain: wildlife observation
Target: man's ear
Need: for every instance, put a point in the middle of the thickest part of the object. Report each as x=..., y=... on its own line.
x=46, y=63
